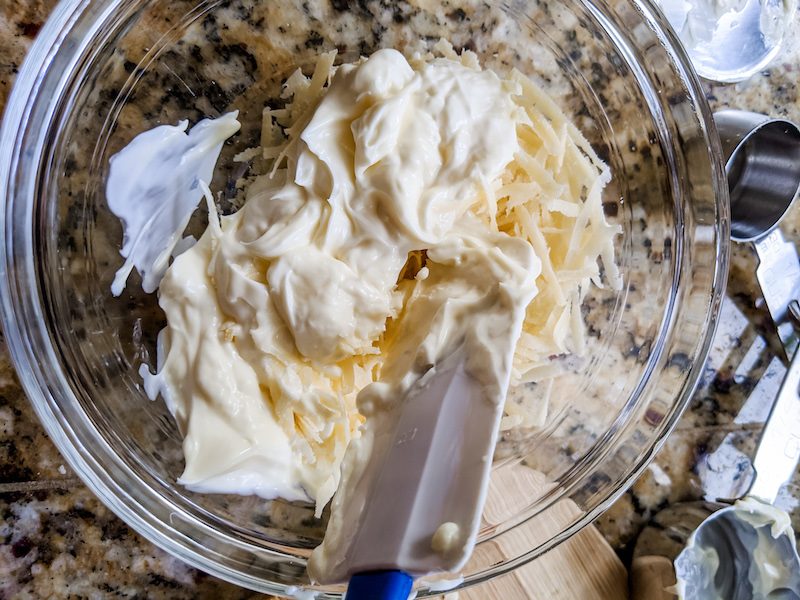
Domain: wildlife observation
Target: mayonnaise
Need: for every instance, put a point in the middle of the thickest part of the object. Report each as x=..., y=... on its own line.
x=697, y=21
x=154, y=187
x=283, y=311
x=746, y=551
x=266, y=306
x=445, y=537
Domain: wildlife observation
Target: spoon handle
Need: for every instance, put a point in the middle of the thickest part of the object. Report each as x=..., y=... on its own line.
x=779, y=449
x=779, y=276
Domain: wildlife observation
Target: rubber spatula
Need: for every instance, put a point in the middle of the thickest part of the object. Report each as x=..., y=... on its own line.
x=429, y=466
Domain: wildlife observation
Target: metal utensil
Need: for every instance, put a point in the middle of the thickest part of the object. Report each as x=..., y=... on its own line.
x=735, y=540
x=719, y=526
x=763, y=167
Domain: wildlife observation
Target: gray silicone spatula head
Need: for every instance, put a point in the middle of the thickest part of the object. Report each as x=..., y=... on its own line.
x=418, y=500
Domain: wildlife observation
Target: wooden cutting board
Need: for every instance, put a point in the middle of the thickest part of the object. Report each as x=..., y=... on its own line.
x=585, y=567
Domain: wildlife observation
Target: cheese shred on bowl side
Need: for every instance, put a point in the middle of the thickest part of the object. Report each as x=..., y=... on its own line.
x=390, y=183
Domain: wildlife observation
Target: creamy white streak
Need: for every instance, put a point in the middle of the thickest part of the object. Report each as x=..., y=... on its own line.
x=154, y=187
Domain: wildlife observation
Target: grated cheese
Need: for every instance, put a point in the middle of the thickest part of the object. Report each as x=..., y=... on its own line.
x=549, y=195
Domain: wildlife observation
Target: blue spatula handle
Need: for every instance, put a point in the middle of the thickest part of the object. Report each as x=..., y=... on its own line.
x=380, y=585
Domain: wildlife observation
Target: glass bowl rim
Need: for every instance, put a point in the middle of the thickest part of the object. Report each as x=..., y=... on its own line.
x=29, y=366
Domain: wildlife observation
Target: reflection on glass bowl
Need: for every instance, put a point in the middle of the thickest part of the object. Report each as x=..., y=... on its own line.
x=103, y=71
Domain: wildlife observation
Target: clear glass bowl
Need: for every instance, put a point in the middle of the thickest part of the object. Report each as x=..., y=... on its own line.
x=102, y=71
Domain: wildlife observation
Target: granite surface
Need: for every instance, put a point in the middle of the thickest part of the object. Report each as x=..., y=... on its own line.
x=58, y=541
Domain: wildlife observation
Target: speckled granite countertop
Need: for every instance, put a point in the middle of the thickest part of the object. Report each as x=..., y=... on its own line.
x=57, y=540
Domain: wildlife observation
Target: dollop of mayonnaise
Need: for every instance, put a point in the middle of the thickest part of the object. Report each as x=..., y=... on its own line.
x=743, y=552
x=445, y=538
x=273, y=314
x=154, y=187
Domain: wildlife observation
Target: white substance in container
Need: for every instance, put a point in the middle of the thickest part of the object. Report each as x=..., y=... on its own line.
x=304, y=275
x=445, y=538
x=278, y=315
x=740, y=552
x=696, y=21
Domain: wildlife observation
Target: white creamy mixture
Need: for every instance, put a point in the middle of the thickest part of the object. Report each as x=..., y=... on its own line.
x=468, y=310
x=446, y=537
x=154, y=187
x=746, y=551
x=696, y=21
x=415, y=206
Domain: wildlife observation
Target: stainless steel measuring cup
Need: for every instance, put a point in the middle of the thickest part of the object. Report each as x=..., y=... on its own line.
x=763, y=168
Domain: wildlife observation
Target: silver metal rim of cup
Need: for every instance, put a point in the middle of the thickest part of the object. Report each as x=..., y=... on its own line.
x=762, y=162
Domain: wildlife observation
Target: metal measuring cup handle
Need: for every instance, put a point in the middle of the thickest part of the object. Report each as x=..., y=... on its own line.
x=778, y=450
x=763, y=167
